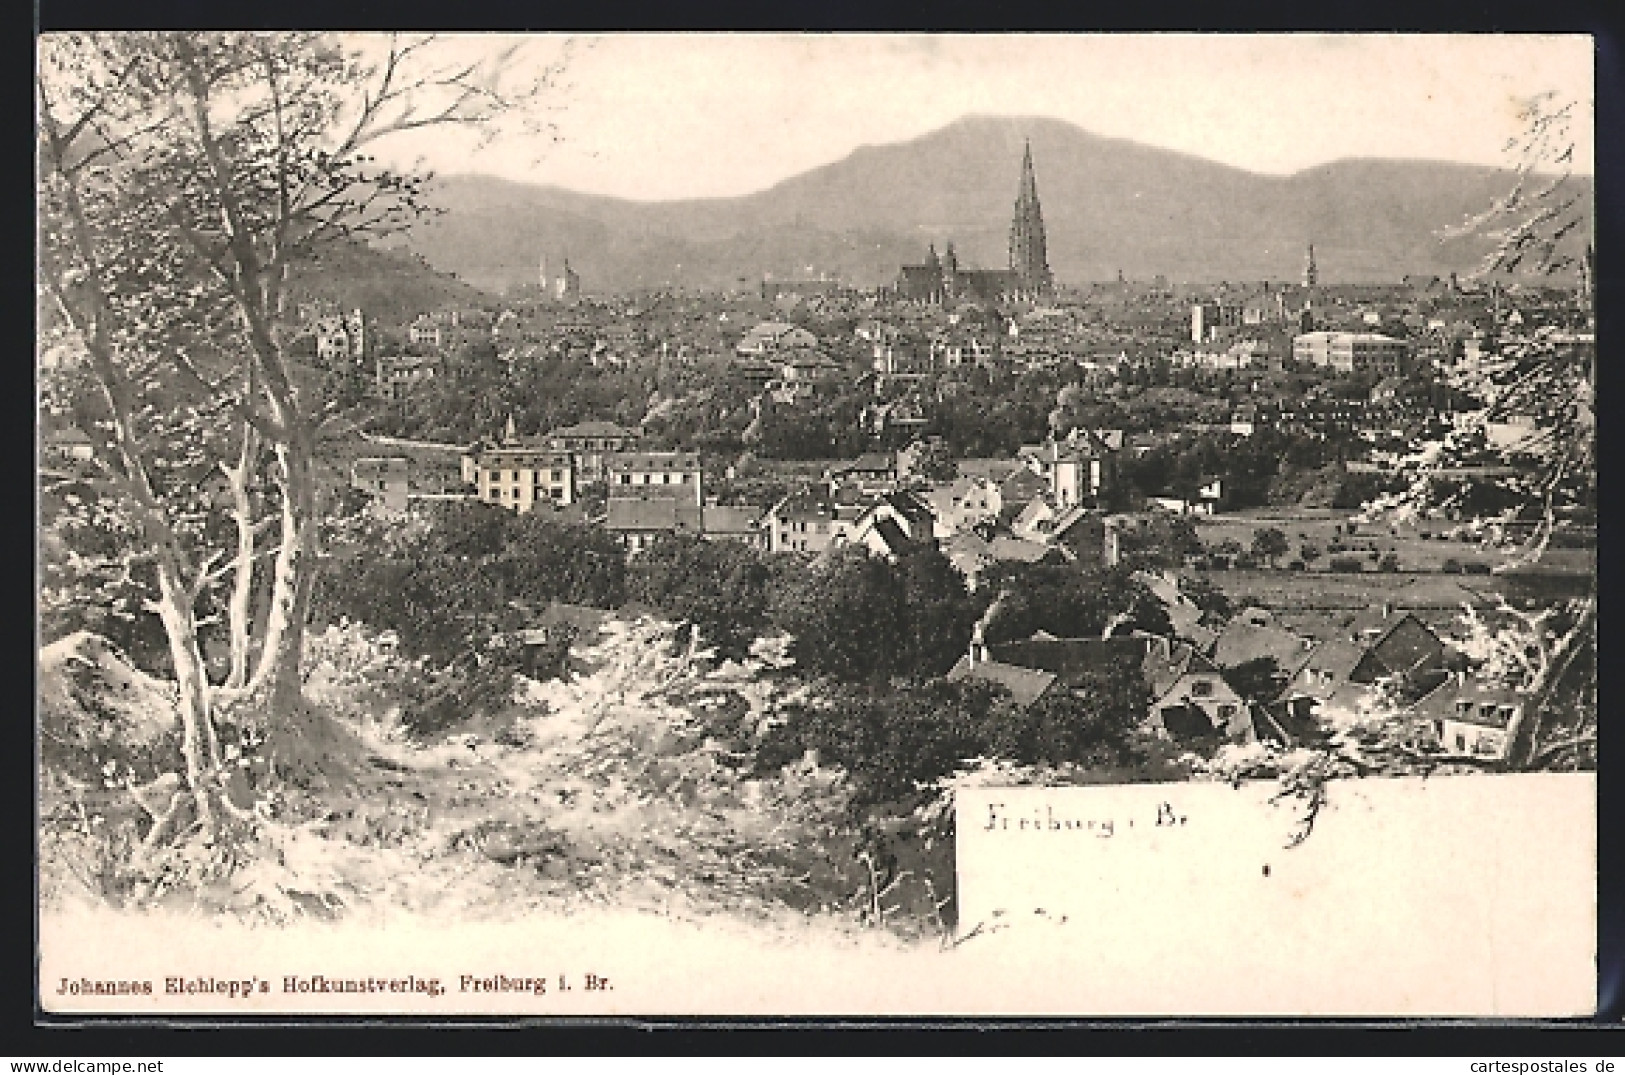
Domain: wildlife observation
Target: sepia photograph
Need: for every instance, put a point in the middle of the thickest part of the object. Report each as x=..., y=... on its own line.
x=846, y=525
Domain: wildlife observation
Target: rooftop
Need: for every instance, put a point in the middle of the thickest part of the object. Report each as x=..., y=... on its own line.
x=1018, y=550
x=1070, y=659
x=1336, y=658
x=722, y=519
x=1241, y=642
x=1167, y=661
x=871, y=462
x=655, y=514
x=1026, y=685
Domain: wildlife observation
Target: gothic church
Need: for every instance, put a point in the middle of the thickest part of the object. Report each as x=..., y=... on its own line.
x=941, y=280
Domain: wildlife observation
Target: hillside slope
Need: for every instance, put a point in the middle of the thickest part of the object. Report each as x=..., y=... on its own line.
x=1110, y=205
x=392, y=285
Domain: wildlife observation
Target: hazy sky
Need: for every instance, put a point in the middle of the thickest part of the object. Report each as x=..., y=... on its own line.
x=657, y=116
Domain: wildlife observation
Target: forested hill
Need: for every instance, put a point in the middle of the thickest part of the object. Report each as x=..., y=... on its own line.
x=393, y=286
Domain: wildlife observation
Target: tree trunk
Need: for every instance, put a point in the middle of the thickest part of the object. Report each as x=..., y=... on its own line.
x=191, y=677
x=283, y=645
x=274, y=700
x=240, y=606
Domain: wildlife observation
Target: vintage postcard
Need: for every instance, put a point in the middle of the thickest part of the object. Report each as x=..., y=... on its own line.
x=834, y=525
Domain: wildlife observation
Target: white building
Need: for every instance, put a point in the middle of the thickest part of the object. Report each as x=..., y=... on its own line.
x=644, y=475
x=1352, y=352
x=520, y=473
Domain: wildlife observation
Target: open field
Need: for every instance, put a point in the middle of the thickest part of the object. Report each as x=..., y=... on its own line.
x=1326, y=528
x=1317, y=604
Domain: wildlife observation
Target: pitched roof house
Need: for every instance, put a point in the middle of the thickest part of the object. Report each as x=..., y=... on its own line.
x=815, y=520
x=964, y=502
x=1468, y=717
x=1017, y=491
x=734, y=523
x=1340, y=673
x=591, y=443
x=1033, y=666
x=970, y=555
x=1026, y=685
x=869, y=470
x=641, y=475
x=881, y=535
x=1189, y=697
x=1081, y=469
x=774, y=336
x=1323, y=673
x=1072, y=659
x=1396, y=643
x=520, y=472
x=639, y=523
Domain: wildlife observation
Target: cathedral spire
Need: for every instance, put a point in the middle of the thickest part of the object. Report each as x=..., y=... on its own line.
x=1029, y=255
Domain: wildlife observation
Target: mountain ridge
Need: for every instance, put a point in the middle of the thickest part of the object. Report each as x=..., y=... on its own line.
x=1110, y=204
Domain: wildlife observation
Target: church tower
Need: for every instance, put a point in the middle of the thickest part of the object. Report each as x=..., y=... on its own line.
x=1311, y=275
x=1029, y=256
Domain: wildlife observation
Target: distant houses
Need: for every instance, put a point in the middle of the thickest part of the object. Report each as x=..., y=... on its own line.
x=648, y=494
x=385, y=479
x=589, y=444
x=394, y=376
x=804, y=374
x=1352, y=352
x=772, y=336
x=342, y=337
x=445, y=329
x=1080, y=468
x=520, y=473
x=814, y=519
x=1189, y=698
x=67, y=443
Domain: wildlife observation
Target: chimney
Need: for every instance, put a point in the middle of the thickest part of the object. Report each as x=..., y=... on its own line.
x=978, y=643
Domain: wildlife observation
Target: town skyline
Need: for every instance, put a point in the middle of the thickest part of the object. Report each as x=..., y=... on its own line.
x=1271, y=105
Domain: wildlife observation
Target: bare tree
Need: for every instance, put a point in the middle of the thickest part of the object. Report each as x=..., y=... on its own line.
x=185, y=179
x=1540, y=228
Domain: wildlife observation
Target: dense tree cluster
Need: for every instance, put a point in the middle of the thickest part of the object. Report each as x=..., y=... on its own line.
x=477, y=390
x=723, y=588
x=895, y=740
x=879, y=634
x=475, y=571
x=860, y=618
x=1071, y=602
